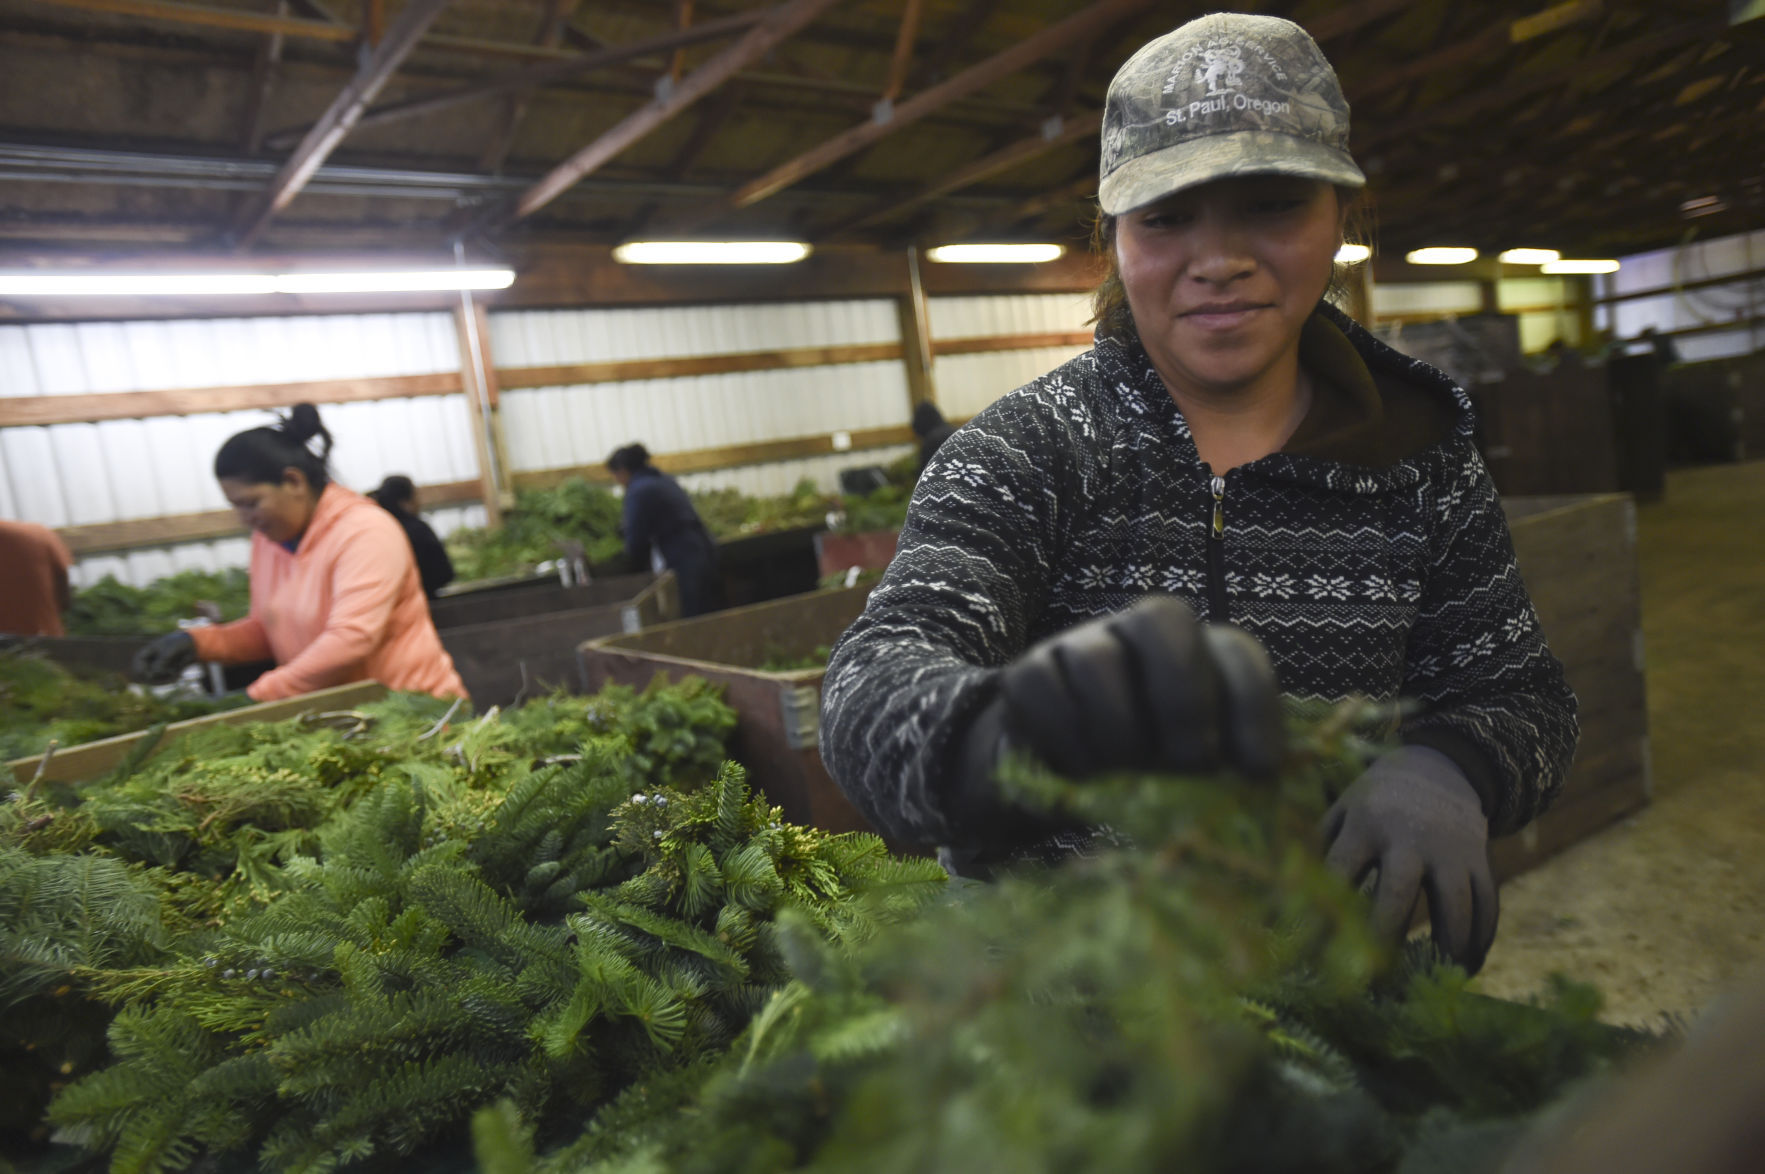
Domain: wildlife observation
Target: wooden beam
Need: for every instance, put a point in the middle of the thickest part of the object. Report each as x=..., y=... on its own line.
x=1010, y=342
x=1662, y=291
x=263, y=82
x=241, y=20
x=1072, y=130
x=628, y=370
x=336, y=123
x=172, y=529
x=479, y=406
x=903, y=56
x=916, y=336
x=1052, y=39
x=1346, y=18
x=787, y=19
x=373, y=22
x=528, y=79
x=39, y=410
x=551, y=33
x=683, y=20
x=1516, y=88
x=705, y=460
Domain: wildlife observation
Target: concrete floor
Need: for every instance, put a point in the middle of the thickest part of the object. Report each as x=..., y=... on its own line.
x=1665, y=909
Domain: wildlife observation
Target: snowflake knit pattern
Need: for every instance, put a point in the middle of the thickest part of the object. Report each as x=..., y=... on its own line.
x=1074, y=496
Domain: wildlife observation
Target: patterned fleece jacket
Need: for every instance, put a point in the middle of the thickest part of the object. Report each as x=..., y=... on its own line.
x=1370, y=557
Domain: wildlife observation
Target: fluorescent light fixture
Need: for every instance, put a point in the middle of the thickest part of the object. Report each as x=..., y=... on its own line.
x=1352, y=254
x=128, y=285
x=1556, y=268
x=710, y=252
x=1529, y=256
x=994, y=254
x=1439, y=255
x=417, y=281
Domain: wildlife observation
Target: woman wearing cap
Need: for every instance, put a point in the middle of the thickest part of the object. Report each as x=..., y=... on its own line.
x=335, y=595
x=1232, y=447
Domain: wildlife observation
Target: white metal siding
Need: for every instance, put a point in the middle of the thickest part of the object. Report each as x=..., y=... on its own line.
x=117, y=470
x=561, y=427
x=1710, y=306
x=1427, y=297
x=968, y=383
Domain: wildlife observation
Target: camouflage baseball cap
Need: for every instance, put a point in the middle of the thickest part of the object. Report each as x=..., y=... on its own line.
x=1223, y=95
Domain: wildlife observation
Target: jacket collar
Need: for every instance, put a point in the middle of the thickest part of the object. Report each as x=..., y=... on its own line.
x=1362, y=373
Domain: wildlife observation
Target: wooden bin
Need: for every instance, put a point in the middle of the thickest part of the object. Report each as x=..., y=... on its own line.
x=1578, y=557
x=515, y=654
x=774, y=565
x=870, y=550
x=77, y=764
x=1549, y=433
x=779, y=714
x=531, y=598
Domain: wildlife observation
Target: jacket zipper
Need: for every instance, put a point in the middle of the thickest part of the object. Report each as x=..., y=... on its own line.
x=1216, y=554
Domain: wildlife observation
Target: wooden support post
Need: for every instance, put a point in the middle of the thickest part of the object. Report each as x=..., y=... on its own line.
x=903, y=52
x=472, y=370
x=1584, y=312
x=916, y=342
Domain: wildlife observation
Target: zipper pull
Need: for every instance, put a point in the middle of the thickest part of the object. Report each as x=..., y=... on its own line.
x=1219, y=508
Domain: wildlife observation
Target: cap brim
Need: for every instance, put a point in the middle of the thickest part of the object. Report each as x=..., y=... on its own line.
x=1141, y=181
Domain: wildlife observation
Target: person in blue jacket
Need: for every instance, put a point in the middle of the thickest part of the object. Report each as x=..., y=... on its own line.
x=662, y=530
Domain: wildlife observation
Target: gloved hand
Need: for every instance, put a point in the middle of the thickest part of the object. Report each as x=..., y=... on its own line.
x=1148, y=689
x=1415, y=817
x=164, y=658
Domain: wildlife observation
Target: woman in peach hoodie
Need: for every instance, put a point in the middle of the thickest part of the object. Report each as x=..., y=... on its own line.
x=335, y=594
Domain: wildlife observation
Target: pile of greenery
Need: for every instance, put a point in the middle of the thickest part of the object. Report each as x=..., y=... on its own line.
x=41, y=701
x=111, y=608
x=1208, y=1000
x=314, y=943
x=543, y=524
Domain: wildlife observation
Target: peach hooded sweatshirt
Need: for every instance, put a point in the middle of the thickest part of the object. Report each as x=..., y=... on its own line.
x=346, y=605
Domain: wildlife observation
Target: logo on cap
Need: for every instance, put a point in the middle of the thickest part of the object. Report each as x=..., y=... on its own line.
x=1223, y=65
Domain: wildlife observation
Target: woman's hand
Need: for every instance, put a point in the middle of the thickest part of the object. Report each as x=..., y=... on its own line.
x=1415, y=818
x=163, y=659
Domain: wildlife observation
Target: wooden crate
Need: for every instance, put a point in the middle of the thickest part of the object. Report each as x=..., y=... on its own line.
x=778, y=713
x=1550, y=433
x=532, y=598
x=768, y=566
x=515, y=657
x=78, y=764
x=871, y=550
x=1578, y=558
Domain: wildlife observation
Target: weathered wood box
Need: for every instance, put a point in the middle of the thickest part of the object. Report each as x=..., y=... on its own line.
x=78, y=764
x=779, y=713
x=868, y=550
x=1578, y=558
x=524, y=644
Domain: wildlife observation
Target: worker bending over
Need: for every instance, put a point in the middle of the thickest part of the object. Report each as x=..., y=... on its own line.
x=335, y=595
x=1234, y=448
x=663, y=530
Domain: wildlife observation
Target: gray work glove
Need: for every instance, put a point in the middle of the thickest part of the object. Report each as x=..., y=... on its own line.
x=164, y=658
x=1415, y=817
x=1148, y=689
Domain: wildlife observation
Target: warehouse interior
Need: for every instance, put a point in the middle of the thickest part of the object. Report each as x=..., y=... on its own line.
x=428, y=218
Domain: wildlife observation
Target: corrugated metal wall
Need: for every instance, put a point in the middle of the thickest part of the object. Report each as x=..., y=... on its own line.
x=1710, y=306
x=968, y=383
x=561, y=427
x=79, y=474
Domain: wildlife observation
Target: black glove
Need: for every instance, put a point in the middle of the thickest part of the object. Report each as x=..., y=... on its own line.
x=1416, y=818
x=164, y=658
x=1149, y=689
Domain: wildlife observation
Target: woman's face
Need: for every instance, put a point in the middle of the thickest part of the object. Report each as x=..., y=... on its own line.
x=1221, y=277
x=279, y=510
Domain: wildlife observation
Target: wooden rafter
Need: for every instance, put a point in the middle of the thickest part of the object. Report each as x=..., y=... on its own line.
x=263, y=82
x=552, y=24
x=1026, y=52
x=683, y=20
x=340, y=118
x=903, y=55
x=525, y=81
x=780, y=23
x=1072, y=130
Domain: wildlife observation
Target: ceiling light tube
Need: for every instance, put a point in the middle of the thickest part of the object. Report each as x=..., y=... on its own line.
x=997, y=254
x=1441, y=255
x=1556, y=268
x=1529, y=256
x=1352, y=254
x=184, y=285
x=710, y=252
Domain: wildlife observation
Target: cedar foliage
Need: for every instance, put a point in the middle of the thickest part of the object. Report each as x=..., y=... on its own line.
x=42, y=701
x=1210, y=999
x=113, y=608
